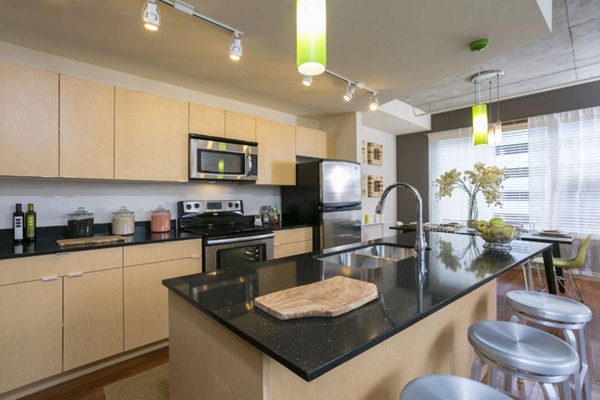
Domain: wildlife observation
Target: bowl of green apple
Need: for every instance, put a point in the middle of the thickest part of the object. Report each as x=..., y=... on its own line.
x=497, y=234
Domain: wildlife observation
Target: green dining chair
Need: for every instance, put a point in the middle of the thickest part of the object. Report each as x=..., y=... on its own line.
x=568, y=265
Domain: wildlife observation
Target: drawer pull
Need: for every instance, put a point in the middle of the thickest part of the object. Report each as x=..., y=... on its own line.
x=276, y=244
x=75, y=274
x=49, y=278
x=64, y=253
x=195, y=257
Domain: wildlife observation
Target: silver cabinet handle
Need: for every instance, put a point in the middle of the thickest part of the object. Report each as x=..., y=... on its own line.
x=75, y=274
x=49, y=278
x=64, y=253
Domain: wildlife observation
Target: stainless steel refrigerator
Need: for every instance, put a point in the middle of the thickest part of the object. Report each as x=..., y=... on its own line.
x=327, y=196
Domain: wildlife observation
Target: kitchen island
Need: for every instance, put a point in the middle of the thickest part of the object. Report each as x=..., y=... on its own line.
x=222, y=347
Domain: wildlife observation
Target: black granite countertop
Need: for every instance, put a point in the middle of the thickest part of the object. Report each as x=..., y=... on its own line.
x=47, y=237
x=454, y=266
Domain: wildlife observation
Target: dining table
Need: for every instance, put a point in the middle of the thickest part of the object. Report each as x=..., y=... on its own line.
x=556, y=238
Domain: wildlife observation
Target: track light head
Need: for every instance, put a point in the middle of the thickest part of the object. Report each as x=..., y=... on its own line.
x=235, y=48
x=350, y=89
x=151, y=15
x=373, y=102
x=307, y=80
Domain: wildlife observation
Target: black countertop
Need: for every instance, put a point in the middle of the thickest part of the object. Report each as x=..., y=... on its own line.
x=455, y=266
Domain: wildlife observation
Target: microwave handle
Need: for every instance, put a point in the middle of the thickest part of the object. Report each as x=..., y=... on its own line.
x=248, y=162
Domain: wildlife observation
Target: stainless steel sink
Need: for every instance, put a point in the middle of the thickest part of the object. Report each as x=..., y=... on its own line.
x=370, y=257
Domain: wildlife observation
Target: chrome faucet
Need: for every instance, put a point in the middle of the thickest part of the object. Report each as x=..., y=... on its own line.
x=420, y=243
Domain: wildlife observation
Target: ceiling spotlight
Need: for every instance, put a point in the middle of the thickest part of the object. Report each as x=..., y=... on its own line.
x=307, y=80
x=151, y=16
x=373, y=102
x=349, y=91
x=235, y=48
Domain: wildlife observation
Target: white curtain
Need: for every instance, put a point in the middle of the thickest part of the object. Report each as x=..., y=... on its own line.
x=564, y=171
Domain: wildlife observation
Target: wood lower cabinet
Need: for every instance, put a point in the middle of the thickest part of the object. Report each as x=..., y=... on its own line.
x=87, y=128
x=276, y=153
x=151, y=137
x=30, y=332
x=28, y=121
x=240, y=126
x=291, y=242
x=146, y=299
x=207, y=120
x=93, y=317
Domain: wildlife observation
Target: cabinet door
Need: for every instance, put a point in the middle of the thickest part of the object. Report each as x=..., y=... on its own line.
x=87, y=129
x=151, y=137
x=146, y=299
x=207, y=120
x=93, y=317
x=292, y=249
x=28, y=121
x=30, y=332
x=306, y=141
x=240, y=126
x=326, y=143
x=276, y=153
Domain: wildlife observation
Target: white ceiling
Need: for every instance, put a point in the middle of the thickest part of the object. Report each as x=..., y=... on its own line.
x=397, y=48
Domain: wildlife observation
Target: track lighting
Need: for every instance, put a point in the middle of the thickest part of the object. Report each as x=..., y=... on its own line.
x=235, y=48
x=350, y=89
x=307, y=80
x=151, y=15
x=373, y=102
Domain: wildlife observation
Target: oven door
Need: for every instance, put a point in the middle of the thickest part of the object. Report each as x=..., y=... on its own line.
x=223, y=160
x=223, y=253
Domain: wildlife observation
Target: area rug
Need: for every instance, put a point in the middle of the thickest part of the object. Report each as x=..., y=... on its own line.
x=148, y=385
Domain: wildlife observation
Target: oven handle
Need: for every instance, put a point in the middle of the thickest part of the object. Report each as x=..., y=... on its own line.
x=239, y=239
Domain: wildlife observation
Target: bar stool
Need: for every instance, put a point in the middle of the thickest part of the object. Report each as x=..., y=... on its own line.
x=557, y=312
x=449, y=387
x=524, y=352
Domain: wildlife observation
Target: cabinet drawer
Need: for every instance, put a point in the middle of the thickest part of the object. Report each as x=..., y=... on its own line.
x=37, y=267
x=164, y=251
x=292, y=249
x=293, y=235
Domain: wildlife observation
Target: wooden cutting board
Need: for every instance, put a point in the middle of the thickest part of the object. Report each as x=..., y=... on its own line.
x=328, y=298
x=89, y=240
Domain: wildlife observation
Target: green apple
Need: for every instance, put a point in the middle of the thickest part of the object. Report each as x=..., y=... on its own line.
x=481, y=225
x=498, y=232
x=496, y=222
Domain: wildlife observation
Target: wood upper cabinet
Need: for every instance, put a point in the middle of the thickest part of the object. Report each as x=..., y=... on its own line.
x=87, y=130
x=30, y=332
x=28, y=121
x=151, y=137
x=326, y=143
x=306, y=141
x=93, y=317
x=276, y=152
x=207, y=120
x=240, y=126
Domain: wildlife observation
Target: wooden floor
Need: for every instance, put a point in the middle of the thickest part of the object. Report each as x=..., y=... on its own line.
x=89, y=387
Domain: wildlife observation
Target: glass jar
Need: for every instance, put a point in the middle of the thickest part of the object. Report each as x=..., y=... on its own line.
x=160, y=220
x=80, y=224
x=123, y=222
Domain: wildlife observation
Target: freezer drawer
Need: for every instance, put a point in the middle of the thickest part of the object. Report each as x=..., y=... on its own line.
x=340, y=227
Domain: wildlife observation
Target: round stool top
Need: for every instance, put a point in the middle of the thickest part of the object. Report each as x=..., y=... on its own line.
x=449, y=387
x=523, y=347
x=548, y=306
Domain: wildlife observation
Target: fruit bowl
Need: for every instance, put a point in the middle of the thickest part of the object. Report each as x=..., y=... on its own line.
x=497, y=234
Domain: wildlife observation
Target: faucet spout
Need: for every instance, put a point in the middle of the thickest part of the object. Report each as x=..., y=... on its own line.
x=420, y=243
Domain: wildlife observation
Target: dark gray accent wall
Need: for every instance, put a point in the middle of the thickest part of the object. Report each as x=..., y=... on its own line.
x=412, y=167
x=412, y=149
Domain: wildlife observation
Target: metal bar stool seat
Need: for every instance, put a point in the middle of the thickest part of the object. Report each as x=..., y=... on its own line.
x=524, y=352
x=567, y=315
x=449, y=387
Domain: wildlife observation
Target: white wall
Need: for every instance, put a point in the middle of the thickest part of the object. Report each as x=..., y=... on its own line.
x=55, y=198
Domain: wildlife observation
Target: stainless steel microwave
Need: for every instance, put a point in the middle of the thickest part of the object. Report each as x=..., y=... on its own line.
x=220, y=159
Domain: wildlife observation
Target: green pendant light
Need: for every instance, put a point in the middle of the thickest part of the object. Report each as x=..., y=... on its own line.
x=311, y=36
x=480, y=117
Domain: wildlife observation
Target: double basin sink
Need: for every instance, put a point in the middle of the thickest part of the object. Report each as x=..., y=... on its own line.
x=376, y=256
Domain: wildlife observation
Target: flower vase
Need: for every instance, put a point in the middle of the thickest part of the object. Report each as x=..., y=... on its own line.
x=473, y=212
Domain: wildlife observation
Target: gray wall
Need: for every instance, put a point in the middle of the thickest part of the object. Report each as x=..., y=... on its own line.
x=412, y=150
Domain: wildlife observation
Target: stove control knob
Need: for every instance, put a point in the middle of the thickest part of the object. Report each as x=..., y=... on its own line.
x=237, y=205
x=196, y=205
x=188, y=206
